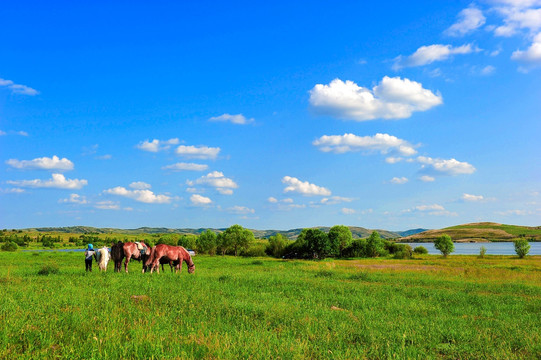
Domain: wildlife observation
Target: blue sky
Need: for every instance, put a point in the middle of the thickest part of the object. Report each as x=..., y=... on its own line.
x=279, y=115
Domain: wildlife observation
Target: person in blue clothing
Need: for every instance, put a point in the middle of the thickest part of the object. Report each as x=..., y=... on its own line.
x=89, y=253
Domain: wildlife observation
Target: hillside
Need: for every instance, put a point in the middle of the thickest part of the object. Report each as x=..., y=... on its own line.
x=479, y=232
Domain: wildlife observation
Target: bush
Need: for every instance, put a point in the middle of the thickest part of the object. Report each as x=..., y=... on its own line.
x=356, y=249
x=420, y=250
x=522, y=247
x=402, y=251
x=482, y=252
x=276, y=246
x=375, y=246
x=444, y=244
x=254, y=250
x=49, y=269
x=9, y=246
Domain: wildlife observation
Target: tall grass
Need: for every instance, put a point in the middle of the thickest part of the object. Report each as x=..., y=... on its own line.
x=461, y=307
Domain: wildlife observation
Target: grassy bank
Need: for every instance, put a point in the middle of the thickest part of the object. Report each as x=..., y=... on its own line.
x=461, y=307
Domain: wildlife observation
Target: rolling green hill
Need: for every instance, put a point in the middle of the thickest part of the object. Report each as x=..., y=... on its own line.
x=479, y=232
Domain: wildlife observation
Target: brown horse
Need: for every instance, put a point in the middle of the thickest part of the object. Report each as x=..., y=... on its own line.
x=168, y=253
x=129, y=251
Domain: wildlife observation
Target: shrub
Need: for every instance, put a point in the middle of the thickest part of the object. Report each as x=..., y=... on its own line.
x=402, y=251
x=444, y=244
x=276, y=246
x=49, y=269
x=356, y=249
x=9, y=246
x=482, y=252
x=522, y=247
x=420, y=250
x=254, y=250
x=375, y=246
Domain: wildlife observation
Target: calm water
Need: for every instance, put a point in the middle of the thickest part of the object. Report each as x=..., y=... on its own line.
x=499, y=248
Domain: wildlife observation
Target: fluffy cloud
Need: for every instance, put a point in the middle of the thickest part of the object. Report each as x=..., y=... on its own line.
x=530, y=57
x=44, y=163
x=18, y=88
x=144, y=196
x=399, y=180
x=107, y=205
x=348, y=211
x=304, y=187
x=157, y=145
x=335, y=200
x=57, y=181
x=447, y=167
x=235, y=119
x=469, y=20
x=242, y=210
x=518, y=18
x=140, y=185
x=392, y=98
x=383, y=143
x=182, y=166
x=426, y=178
x=198, y=152
x=434, y=210
x=428, y=54
x=74, y=199
x=469, y=197
x=216, y=180
x=199, y=200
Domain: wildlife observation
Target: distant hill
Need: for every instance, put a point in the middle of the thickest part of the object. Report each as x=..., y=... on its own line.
x=478, y=232
x=410, y=232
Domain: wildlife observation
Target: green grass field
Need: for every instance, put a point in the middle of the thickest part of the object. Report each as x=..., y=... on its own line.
x=456, y=308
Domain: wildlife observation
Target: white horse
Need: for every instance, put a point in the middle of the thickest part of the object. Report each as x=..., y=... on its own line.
x=103, y=258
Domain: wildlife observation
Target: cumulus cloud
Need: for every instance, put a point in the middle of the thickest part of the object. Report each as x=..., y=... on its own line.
x=532, y=56
x=217, y=180
x=238, y=119
x=43, y=163
x=140, y=185
x=57, y=181
x=469, y=20
x=242, y=210
x=200, y=200
x=392, y=98
x=426, y=178
x=157, y=145
x=335, y=200
x=470, y=197
x=384, y=143
x=348, y=211
x=518, y=18
x=487, y=70
x=141, y=195
x=428, y=54
x=304, y=187
x=74, y=199
x=182, y=166
x=447, y=167
x=18, y=88
x=399, y=180
x=198, y=152
x=433, y=210
x=107, y=205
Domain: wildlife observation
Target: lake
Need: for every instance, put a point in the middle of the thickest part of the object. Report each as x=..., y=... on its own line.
x=495, y=248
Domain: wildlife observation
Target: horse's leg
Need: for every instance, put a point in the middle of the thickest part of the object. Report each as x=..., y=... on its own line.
x=126, y=262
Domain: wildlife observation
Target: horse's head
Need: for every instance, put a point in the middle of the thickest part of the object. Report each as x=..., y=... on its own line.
x=191, y=268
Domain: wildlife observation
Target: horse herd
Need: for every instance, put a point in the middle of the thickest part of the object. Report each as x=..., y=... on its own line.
x=152, y=258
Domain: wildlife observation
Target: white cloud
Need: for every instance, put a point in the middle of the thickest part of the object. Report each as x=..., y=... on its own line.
x=44, y=163
x=74, y=199
x=12, y=191
x=57, y=181
x=516, y=18
x=515, y=212
x=107, y=205
x=3, y=133
x=470, y=197
x=392, y=98
x=428, y=54
x=157, y=145
x=447, y=167
x=140, y=185
x=198, y=152
x=348, y=211
x=487, y=70
x=335, y=200
x=393, y=159
x=235, y=119
x=384, y=143
x=18, y=88
x=399, y=180
x=243, y=210
x=272, y=200
x=433, y=210
x=304, y=187
x=426, y=178
x=469, y=20
x=429, y=207
x=145, y=196
x=530, y=57
x=216, y=180
x=181, y=166
x=197, y=199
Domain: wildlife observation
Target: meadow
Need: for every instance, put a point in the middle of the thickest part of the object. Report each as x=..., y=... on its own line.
x=233, y=307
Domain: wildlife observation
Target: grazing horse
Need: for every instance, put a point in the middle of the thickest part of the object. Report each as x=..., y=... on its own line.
x=117, y=254
x=103, y=258
x=168, y=253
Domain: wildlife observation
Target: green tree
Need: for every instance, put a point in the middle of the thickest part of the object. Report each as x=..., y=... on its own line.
x=9, y=246
x=206, y=242
x=340, y=238
x=276, y=246
x=374, y=245
x=238, y=237
x=317, y=243
x=444, y=244
x=522, y=247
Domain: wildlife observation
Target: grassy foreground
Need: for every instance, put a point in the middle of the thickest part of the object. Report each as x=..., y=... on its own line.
x=460, y=307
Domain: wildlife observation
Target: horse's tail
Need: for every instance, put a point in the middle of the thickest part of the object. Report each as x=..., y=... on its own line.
x=117, y=251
